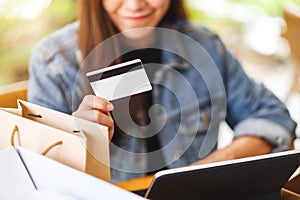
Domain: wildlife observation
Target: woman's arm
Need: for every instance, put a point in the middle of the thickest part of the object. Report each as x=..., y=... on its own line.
x=260, y=121
x=243, y=146
x=253, y=110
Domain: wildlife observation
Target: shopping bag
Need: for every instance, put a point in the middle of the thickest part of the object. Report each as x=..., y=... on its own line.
x=29, y=176
x=78, y=143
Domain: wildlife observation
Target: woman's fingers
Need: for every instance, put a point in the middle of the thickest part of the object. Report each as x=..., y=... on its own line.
x=96, y=109
x=94, y=102
x=97, y=117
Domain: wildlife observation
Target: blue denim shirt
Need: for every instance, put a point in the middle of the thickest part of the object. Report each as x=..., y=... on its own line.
x=196, y=93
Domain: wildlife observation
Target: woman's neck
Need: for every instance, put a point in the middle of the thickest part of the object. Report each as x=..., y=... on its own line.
x=138, y=39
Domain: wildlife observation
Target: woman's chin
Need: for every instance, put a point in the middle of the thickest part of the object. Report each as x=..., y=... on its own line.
x=140, y=36
x=139, y=33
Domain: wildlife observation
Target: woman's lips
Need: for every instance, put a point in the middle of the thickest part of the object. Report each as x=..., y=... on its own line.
x=136, y=18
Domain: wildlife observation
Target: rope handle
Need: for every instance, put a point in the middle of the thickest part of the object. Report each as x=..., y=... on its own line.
x=12, y=141
x=51, y=147
x=12, y=137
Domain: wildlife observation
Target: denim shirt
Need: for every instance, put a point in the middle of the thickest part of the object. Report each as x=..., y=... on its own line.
x=194, y=99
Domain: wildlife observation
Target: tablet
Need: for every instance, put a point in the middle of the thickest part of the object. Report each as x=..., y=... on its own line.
x=252, y=178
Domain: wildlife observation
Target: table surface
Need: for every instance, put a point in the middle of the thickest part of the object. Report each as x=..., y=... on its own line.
x=137, y=184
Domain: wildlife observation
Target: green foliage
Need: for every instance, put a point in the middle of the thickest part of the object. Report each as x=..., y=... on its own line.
x=216, y=22
x=61, y=12
x=206, y=19
x=18, y=36
x=271, y=7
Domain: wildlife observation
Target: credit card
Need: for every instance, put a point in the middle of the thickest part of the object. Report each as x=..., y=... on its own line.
x=121, y=80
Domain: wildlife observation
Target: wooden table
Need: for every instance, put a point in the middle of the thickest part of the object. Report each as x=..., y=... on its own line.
x=137, y=184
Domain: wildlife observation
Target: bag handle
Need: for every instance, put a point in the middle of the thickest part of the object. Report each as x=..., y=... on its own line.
x=12, y=141
x=51, y=147
x=12, y=136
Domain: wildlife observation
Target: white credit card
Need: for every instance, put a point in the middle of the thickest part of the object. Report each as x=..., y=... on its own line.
x=121, y=80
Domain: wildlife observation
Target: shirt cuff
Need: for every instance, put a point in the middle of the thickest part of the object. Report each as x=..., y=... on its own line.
x=272, y=132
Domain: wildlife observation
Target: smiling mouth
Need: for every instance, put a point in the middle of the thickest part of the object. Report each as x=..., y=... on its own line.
x=136, y=18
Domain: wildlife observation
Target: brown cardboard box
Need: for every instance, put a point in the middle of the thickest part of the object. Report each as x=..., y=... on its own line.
x=291, y=190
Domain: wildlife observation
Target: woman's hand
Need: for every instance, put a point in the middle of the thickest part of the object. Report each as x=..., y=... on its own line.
x=96, y=109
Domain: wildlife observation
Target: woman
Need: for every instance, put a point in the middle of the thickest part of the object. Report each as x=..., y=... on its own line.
x=188, y=121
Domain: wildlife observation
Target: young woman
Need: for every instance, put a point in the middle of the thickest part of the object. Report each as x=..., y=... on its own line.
x=175, y=124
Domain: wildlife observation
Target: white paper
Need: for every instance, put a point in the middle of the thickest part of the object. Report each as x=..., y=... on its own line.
x=15, y=183
x=51, y=175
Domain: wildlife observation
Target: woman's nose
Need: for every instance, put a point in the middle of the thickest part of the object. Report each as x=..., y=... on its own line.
x=135, y=5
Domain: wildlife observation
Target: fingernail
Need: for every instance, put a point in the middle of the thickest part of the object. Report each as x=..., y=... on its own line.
x=110, y=106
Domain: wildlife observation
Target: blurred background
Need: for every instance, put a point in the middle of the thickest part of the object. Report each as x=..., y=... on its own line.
x=263, y=34
x=22, y=24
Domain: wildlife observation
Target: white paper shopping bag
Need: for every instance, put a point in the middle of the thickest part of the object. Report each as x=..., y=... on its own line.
x=78, y=143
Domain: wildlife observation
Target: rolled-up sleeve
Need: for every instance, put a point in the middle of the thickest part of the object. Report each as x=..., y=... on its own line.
x=272, y=132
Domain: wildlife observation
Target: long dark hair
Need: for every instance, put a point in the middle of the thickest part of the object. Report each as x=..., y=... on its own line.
x=95, y=25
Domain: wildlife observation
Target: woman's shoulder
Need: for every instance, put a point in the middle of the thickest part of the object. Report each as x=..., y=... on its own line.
x=208, y=39
x=196, y=31
x=60, y=41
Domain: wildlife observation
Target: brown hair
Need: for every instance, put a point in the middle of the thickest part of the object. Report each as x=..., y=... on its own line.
x=95, y=25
